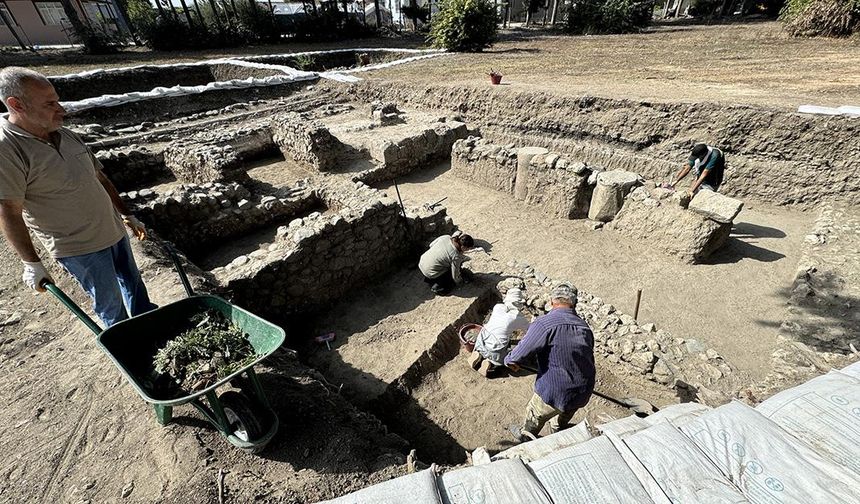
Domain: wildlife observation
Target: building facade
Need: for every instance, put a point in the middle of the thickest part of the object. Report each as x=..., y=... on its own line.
x=44, y=22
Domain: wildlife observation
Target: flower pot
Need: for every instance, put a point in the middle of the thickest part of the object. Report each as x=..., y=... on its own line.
x=495, y=79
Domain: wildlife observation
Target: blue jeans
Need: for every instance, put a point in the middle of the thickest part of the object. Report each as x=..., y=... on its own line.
x=111, y=278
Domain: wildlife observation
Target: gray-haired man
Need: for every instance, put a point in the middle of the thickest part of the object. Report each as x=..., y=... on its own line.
x=51, y=183
x=564, y=347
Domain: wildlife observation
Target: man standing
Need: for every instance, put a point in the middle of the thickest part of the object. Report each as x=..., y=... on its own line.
x=707, y=164
x=564, y=347
x=51, y=183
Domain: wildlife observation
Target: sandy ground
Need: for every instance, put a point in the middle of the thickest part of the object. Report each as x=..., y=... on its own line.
x=734, y=303
x=751, y=62
x=745, y=63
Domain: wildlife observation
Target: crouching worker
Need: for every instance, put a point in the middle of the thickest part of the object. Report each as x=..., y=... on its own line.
x=494, y=340
x=442, y=264
x=564, y=347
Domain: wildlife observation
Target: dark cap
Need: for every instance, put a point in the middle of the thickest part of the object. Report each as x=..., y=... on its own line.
x=699, y=152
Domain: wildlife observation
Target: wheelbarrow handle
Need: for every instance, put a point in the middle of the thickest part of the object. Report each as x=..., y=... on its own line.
x=178, y=265
x=72, y=306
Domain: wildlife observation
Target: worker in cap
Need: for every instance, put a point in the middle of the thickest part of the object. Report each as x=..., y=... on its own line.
x=563, y=345
x=707, y=164
x=494, y=340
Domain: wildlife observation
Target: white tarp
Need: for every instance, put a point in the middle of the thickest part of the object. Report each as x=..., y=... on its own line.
x=417, y=488
x=502, y=482
x=852, y=370
x=677, y=414
x=845, y=110
x=683, y=472
x=591, y=472
x=823, y=412
x=767, y=463
x=533, y=450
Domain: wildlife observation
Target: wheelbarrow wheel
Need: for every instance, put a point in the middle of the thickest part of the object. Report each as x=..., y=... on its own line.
x=245, y=418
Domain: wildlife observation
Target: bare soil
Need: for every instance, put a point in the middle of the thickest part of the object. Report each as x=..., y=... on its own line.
x=748, y=63
x=735, y=302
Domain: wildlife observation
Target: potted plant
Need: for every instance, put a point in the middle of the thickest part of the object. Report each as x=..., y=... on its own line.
x=495, y=77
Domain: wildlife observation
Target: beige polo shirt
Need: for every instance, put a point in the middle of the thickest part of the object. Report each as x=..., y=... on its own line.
x=65, y=205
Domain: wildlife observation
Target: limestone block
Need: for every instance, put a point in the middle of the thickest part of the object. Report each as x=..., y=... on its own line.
x=716, y=206
x=608, y=197
x=678, y=232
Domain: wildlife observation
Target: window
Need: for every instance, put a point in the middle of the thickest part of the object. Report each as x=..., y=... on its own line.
x=8, y=16
x=101, y=14
x=52, y=13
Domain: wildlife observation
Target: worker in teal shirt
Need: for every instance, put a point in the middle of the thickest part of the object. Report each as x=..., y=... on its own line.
x=707, y=164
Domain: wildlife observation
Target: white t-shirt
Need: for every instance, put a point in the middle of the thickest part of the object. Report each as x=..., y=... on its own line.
x=494, y=340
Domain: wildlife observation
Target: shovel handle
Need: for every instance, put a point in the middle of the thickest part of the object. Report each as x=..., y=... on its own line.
x=72, y=306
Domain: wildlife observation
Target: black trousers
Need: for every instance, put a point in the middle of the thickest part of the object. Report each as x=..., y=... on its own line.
x=442, y=283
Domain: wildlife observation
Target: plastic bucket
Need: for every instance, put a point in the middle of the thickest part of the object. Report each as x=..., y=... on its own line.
x=468, y=345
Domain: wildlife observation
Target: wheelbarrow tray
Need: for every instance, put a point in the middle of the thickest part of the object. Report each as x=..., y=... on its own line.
x=133, y=343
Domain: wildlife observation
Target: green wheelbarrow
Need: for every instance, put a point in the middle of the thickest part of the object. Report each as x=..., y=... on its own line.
x=245, y=418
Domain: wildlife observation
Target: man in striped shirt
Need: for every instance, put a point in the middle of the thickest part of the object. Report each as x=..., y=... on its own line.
x=564, y=347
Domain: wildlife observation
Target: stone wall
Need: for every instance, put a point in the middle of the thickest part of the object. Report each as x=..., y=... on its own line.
x=195, y=217
x=658, y=217
x=553, y=183
x=400, y=156
x=131, y=167
x=218, y=157
x=307, y=141
x=315, y=260
x=815, y=156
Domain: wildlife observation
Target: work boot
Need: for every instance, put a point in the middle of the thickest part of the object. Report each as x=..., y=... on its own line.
x=486, y=368
x=522, y=436
x=475, y=360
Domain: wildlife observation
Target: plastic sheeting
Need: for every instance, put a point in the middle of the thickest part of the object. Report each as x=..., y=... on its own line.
x=681, y=470
x=589, y=472
x=677, y=414
x=541, y=447
x=846, y=110
x=502, y=482
x=823, y=412
x=852, y=370
x=765, y=462
x=417, y=488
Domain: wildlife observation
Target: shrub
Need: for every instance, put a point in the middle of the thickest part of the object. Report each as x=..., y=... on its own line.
x=705, y=8
x=609, y=16
x=827, y=18
x=464, y=25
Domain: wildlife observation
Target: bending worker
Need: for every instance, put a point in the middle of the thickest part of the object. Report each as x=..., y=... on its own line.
x=707, y=164
x=51, y=183
x=442, y=263
x=494, y=340
x=564, y=347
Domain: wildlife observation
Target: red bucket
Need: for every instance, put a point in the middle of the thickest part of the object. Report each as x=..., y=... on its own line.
x=468, y=344
x=495, y=79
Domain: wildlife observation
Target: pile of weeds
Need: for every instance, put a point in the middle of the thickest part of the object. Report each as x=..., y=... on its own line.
x=210, y=350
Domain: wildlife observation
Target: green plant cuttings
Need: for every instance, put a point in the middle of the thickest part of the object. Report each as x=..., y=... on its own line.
x=821, y=18
x=212, y=349
x=464, y=25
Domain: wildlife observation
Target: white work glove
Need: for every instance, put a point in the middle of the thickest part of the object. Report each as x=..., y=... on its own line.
x=34, y=274
x=137, y=227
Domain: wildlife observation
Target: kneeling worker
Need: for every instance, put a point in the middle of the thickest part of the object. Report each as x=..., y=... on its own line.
x=441, y=264
x=494, y=340
x=564, y=347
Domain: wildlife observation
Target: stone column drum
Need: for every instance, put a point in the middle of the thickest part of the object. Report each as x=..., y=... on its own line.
x=608, y=197
x=524, y=157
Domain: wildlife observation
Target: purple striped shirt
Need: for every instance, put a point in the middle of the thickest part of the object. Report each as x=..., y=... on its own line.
x=564, y=347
